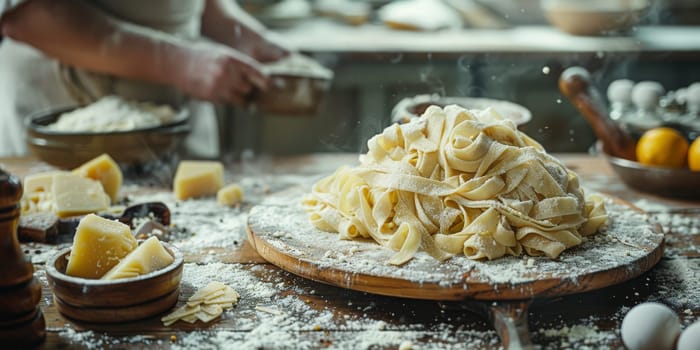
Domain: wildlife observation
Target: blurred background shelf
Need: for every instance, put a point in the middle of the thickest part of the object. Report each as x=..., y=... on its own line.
x=376, y=66
x=326, y=36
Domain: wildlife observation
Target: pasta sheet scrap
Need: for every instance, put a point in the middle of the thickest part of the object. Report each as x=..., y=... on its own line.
x=457, y=181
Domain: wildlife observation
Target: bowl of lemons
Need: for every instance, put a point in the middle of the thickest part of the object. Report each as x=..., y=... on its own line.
x=667, y=164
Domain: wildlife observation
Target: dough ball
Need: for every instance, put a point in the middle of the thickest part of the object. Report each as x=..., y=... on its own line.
x=690, y=338
x=650, y=326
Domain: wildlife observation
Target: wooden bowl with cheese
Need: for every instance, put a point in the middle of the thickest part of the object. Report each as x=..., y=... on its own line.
x=117, y=300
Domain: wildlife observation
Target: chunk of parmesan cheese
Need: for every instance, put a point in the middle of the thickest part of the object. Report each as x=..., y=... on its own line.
x=105, y=170
x=230, y=195
x=197, y=178
x=148, y=257
x=75, y=195
x=98, y=246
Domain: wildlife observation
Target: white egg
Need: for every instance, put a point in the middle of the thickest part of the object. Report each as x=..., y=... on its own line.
x=621, y=91
x=690, y=338
x=650, y=326
x=692, y=96
x=646, y=94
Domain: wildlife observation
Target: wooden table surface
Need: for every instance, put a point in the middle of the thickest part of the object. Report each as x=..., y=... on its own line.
x=278, y=310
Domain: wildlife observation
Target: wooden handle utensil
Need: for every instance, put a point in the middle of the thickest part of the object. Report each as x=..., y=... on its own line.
x=45, y=227
x=575, y=84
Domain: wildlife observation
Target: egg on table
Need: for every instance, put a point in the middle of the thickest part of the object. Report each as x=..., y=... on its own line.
x=650, y=326
x=690, y=338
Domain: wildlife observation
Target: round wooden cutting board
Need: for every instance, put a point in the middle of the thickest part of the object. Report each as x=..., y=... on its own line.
x=280, y=231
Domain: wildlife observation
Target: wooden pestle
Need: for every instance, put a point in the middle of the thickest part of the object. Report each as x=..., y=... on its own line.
x=21, y=321
x=575, y=84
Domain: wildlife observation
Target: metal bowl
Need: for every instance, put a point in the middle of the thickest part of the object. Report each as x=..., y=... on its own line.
x=413, y=107
x=68, y=150
x=668, y=182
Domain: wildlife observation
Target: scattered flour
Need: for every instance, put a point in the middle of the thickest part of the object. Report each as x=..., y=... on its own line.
x=234, y=275
x=203, y=223
x=648, y=205
x=580, y=336
x=96, y=340
x=679, y=222
x=680, y=225
x=678, y=282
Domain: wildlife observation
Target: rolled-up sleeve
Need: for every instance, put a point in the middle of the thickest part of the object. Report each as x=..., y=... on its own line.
x=7, y=5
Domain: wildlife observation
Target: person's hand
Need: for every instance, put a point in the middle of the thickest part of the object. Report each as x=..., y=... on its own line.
x=219, y=74
x=262, y=47
x=226, y=22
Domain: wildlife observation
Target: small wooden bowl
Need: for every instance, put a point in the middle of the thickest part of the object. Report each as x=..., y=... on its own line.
x=292, y=95
x=122, y=300
x=298, y=86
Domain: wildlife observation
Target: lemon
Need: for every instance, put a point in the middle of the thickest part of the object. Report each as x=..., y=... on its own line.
x=694, y=155
x=663, y=147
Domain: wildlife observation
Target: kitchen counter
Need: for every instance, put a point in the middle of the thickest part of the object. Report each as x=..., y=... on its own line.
x=278, y=310
x=325, y=36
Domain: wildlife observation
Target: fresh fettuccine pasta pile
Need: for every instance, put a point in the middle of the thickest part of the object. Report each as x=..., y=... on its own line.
x=457, y=181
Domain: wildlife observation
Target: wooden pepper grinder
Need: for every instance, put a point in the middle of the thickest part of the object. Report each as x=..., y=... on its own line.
x=21, y=321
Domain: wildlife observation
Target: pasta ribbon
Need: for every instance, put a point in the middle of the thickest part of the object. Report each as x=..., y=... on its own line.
x=457, y=182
